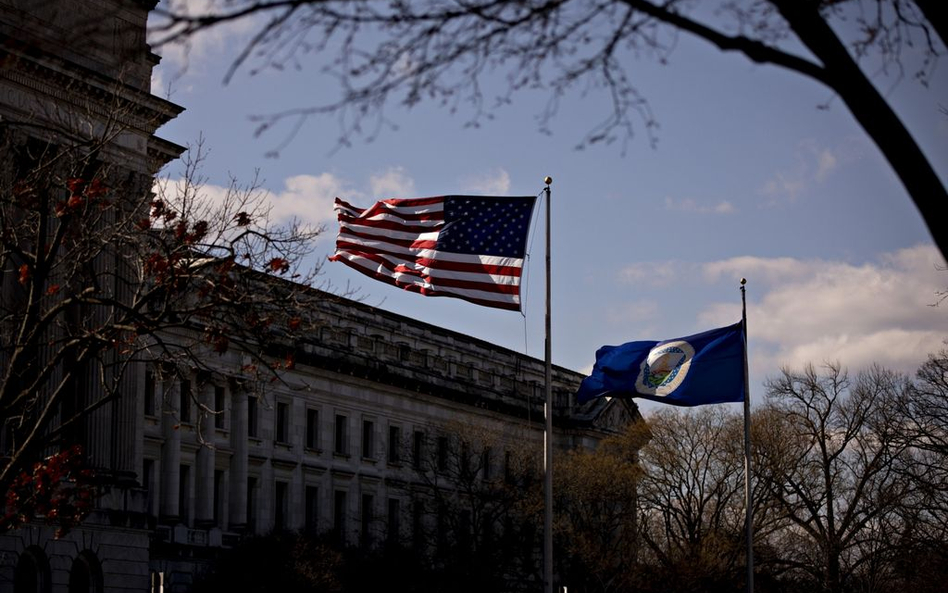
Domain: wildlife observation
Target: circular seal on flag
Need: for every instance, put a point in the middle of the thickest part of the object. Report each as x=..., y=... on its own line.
x=664, y=369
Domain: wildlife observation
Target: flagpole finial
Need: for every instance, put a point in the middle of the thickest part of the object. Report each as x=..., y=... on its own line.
x=548, y=180
x=743, y=281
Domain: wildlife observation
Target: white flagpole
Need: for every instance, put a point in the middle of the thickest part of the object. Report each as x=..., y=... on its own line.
x=748, y=500
x=548, y=432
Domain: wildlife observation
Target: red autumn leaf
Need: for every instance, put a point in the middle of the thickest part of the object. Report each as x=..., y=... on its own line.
x=96, y=188
x=74, y=184
x=294, y=323
x=58, y=488
x=25, y=274
x=278, y=264
x=53, y=289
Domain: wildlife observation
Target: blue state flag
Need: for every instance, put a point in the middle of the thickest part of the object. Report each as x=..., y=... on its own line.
x=706, y=368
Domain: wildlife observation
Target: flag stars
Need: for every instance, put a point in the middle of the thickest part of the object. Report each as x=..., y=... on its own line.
x=486, y=226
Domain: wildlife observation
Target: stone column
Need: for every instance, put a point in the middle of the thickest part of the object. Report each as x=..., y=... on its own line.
x=238, y=463
x=204, y=484
x=170, y=455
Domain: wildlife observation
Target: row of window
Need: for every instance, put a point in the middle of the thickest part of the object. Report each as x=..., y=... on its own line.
x=396, y=446
x=311, y=506
x=395, y=443
x=370, y=521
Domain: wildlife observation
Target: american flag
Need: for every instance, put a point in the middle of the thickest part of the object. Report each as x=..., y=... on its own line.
x=469, y=247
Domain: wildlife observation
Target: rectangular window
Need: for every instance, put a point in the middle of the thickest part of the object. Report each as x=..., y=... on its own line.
x=184, y=409
x=394, y=518
x=368, y=442
x=465, y=460
x=282, y=422
x=418, y=449
x=339, y=516
x=251, y=504
x=252, y=416
x=280, y=505
x=220, y=404
x=442, y=453
x=148, y=468
x=151, y=403
x=312, y=509
x=312, y=429
x=368, y=516
x=418, y=524
x=394, y=444
x=341, y=436
x=218, y=496
x=184, y=492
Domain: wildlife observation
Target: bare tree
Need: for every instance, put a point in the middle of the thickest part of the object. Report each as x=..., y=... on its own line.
x=440, y=50
x=834, y=465
x=925, y=431
x=100, y=275
x=690, y=498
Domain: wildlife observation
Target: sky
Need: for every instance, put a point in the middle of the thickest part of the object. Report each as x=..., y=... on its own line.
x=755, y=173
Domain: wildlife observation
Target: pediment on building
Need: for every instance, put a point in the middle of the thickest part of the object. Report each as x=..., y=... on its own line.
x=615, y=414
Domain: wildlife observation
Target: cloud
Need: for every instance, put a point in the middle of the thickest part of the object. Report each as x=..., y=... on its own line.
x=634, y=312
x=768, y=270
x=305, y=198
x=653, y=274
x=690, y=205
x=813, y=164
x=813, y=311
x=308, y=198
x=394, y=182
x=825, y=163
x=783, y=185
x=491, y=183
x=183, y=59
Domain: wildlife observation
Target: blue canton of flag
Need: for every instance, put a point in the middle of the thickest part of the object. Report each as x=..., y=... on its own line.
x=706, y=368
x=494, y=226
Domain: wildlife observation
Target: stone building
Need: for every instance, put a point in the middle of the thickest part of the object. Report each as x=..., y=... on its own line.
x=329, y=449
x=198, y=460
x=71, y=70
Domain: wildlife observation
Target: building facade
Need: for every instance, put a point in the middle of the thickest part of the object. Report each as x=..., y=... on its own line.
x=331, y=447
x=199, y=459
x=71, y=70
